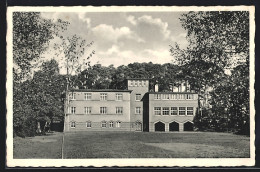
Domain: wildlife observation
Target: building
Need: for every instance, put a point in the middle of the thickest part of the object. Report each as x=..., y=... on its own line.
x=134, y=109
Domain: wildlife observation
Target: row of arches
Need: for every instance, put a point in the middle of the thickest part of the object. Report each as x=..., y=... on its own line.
x=173, y=126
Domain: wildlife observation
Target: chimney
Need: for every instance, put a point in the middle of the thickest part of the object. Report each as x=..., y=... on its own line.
x=156, y=87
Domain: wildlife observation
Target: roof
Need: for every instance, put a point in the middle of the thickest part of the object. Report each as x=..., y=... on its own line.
x=137, y=79
x=99, y=90
x=172, y=92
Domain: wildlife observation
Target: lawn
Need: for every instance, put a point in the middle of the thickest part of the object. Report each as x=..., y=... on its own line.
x=134, y=145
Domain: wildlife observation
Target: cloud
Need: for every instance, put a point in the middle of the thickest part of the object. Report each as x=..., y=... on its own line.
x=149, y=28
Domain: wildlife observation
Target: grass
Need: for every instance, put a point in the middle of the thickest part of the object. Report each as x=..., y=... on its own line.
x=134, y=145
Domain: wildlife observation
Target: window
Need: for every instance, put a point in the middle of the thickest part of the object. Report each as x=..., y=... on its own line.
x=157, y=110
x=88, y=96
x=103, y=124
x=136, y=84
x=103, y=110
x=174, y=111
x=165, y=96
x=118, y=124
x=138, y=97
x=140, y=83
x=72, y=96
x=119, y=110
x=165, y=111
x=88, y=124
x=144, y=83
x=87, y=110
x=138, y=110
x=131, y=83
x=157, y=96
x=73, y=125
x=189, y=96
x=119, y=96
x=182, y=96
x=111, y=124
x=189, y=110
x=173, y=97
x=182, y=111
x=73, y=110
x=103, y=96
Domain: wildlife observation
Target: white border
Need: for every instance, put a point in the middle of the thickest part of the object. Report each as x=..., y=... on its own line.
x=170, y=162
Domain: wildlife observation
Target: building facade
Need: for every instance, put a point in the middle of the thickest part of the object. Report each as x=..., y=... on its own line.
x=134, y=109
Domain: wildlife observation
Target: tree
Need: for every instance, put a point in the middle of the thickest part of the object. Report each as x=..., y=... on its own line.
x=216, y=36
x=39, y=100
x=31, y=36
x=215, y=39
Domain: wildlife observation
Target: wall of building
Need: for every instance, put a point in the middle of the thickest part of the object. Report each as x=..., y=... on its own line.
x=138, y=86
x=80, y=117
x=166, y=119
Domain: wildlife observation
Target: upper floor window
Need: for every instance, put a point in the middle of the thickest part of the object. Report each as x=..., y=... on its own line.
x=165, y=110
x=165, y=96
x=119, y=96
x=174, y=111
x=157, y=96
x=88, y=96
x=182, y=96
x=157, y=110
x=103, y=96
x=87, y=110
x=138, y=110
x=144, y=83
x=173, y=96
x=182, y=111
x=189, y=96
x=140, y=83
x=189, y=110
x=131, y=83
x=73, y=96
x=119, y=110
x=103, y=110
x=136, y=84
x=138, y=97
x=73, y=110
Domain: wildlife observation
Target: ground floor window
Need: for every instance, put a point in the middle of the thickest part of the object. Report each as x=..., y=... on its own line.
x=88, y=124
x=111, y=124
x=73, y=125
x=118, y=124
x=103, y=124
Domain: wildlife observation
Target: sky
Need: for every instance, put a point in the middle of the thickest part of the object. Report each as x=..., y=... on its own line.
x=121, y=38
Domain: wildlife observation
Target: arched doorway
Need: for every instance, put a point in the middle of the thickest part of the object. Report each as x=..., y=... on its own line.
x=159, y=126
x=174, y=126
x=138, y=126
x=188, y=126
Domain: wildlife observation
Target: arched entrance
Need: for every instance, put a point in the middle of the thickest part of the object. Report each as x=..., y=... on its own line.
x=188, y=126
x=174, y=126
x=159, y=126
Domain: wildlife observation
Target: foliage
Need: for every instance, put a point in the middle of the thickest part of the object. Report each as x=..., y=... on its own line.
x=39, y=99
x=216, y=36
x=31, y=36
x=216, y=39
